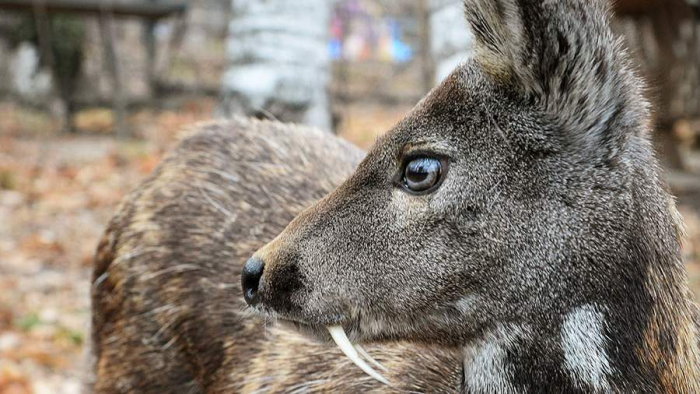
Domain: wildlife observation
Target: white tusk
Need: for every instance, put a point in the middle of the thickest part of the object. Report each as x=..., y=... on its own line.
x=366, y=355
x=346, y=347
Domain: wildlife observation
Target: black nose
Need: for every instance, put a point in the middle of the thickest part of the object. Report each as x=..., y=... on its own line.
x=250, y=279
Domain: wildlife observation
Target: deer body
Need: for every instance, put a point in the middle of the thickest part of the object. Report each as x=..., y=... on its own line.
x=510, y=235
x=167, y=311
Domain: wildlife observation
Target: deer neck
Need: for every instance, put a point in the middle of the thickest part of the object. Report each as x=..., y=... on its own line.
x=589, y=349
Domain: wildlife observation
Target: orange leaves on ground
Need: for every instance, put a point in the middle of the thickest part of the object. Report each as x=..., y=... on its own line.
x=12, y=379
x=57, y=193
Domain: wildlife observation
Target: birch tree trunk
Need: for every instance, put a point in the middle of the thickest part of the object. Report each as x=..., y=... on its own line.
x=278, y=63
x=451, y=40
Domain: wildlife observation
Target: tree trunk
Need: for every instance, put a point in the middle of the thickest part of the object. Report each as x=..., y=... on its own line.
x=449, y=46
x=278, y=63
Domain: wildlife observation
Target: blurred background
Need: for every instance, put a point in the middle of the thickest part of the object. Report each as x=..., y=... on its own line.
x=94, y=92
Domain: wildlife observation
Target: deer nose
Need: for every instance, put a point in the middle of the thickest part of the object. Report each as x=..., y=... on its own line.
x=250, y=279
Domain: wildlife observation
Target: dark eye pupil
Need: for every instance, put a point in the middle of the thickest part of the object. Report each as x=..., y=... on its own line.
x=417, y=176
x=421, y=174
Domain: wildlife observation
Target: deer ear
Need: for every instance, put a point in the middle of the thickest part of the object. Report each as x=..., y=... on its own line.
x=563, y=56
x=497, y=26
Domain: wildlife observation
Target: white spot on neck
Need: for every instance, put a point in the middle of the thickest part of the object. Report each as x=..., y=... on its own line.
x=485, y=366
x=467, y=304
x=583, y=342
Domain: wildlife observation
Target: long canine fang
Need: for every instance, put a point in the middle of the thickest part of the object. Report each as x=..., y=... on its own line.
x=366, y=355
x=341, y=339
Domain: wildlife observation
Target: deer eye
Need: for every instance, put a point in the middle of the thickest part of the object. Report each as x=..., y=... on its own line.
x=422, y=174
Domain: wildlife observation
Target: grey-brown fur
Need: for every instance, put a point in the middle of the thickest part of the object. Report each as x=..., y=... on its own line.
x=167, y=311
x=548, y=260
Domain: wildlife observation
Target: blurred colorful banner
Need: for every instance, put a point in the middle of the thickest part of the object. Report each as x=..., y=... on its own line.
x=362, y=30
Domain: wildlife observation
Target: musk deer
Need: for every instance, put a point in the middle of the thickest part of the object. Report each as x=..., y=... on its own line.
x=510, y=235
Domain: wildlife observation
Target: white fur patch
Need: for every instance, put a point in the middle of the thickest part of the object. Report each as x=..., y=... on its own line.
x=467, y=304
x=583, y=342
x=485, y=367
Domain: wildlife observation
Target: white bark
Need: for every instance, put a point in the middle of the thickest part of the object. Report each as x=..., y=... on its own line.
x=28, y=80
x=451, y=40
x=278, y=60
